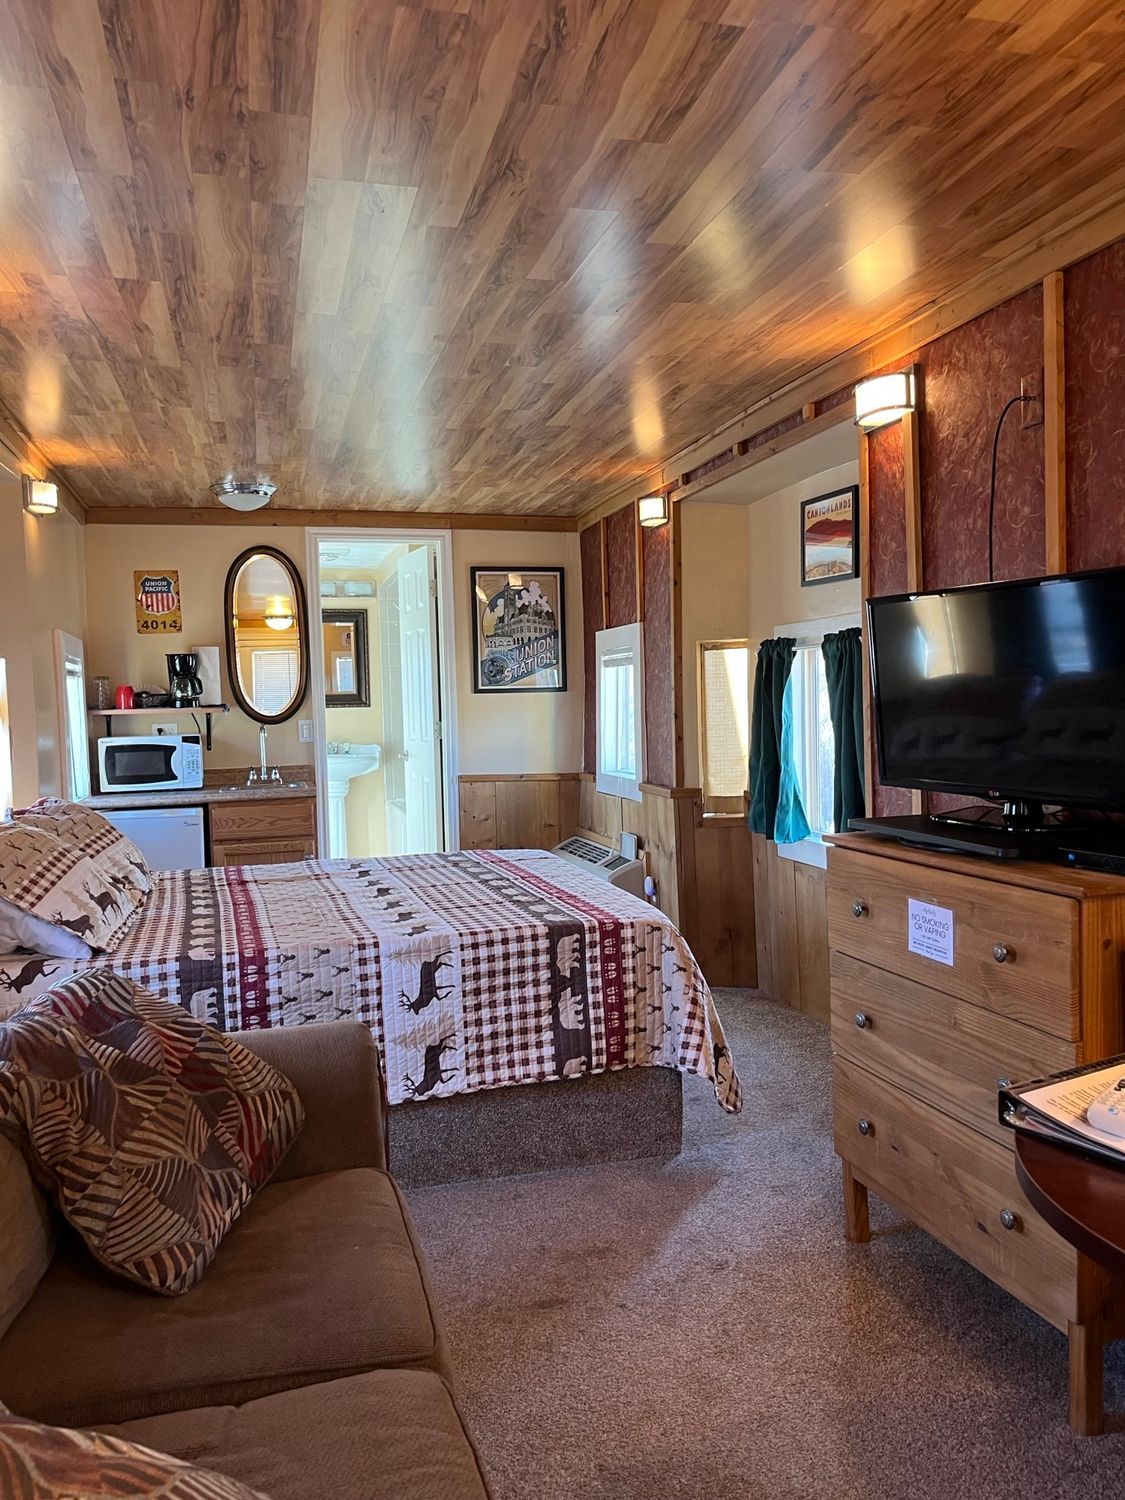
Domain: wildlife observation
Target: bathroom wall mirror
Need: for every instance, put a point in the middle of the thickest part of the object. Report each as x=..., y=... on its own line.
x=347, y=671
x=267, y=635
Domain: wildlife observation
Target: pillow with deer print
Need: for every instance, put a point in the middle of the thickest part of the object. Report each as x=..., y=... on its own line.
x=67, y=865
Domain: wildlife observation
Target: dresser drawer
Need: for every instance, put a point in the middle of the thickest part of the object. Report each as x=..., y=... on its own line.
x=958, y=1185
x=936, y=1046
x=1015, y=950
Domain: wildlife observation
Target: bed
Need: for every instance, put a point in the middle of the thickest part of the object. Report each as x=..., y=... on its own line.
x=476, y=971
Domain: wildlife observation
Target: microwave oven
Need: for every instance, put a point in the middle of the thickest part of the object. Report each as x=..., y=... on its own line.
x=149, y=762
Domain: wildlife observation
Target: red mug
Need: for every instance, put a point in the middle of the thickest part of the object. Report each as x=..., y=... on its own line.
x=124, y=696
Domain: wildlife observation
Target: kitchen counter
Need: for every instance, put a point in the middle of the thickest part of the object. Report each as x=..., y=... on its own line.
x=201, y=796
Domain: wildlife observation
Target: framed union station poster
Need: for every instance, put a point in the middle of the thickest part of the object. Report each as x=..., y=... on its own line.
x=519, y=630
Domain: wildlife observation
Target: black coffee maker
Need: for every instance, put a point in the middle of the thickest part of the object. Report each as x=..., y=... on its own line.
x=183, y=679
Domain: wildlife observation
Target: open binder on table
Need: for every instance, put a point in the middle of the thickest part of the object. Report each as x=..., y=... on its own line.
x=1058, y=1108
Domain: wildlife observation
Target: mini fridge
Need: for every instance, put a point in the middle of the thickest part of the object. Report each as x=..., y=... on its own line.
x=170, y=838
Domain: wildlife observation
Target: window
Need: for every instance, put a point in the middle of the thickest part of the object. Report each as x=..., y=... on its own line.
x=814, y=744
x=620, y=712
x=724, y=725
x=74, y=739
x=274, y=676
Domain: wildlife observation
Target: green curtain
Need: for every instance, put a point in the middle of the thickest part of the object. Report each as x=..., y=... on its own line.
x=775, y=662
x=791, y=824
x=843, y=672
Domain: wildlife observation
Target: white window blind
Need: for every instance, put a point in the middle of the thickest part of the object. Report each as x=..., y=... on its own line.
x=620, y=712
x=274, y=675
x=724, y=712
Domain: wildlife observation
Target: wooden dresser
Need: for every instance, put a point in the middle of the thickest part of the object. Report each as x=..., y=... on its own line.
x=920, y=1044
x=272, y=831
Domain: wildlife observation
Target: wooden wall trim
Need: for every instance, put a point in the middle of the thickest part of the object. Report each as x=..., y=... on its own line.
x=1046, y=252
x=677, y=596
x=912, y=499
x=864, y=594
x=477, y=778
x=1054, y=421
x=748, y=458
x=424, y=520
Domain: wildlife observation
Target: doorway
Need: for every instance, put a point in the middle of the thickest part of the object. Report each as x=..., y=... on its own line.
x=382, y=692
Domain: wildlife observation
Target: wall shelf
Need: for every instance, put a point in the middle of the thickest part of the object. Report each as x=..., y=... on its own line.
x=207, y=710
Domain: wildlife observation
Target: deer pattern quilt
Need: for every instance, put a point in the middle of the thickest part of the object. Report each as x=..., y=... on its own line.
x=473, y=970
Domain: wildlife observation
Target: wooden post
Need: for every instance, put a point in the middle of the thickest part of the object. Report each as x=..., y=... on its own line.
x=1054, y=421
x=912, y=500
x=864, y=592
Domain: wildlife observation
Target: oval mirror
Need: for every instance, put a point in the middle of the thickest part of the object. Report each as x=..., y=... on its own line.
x=267, y=635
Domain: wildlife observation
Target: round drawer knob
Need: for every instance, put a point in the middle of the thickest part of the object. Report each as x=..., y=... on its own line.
x=1002, y=953
x=1009, y=1219
x=865, y=1127
x=862, y=1020
x=859, y=908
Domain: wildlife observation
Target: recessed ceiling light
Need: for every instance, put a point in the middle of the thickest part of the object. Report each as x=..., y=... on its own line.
x=243, y=494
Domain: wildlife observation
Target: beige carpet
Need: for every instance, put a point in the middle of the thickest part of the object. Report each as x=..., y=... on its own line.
x=699, y=1328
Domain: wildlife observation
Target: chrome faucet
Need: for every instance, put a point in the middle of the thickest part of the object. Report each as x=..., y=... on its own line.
x=264, y=774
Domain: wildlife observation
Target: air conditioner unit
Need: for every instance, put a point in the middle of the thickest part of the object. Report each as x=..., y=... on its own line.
x=600, y=858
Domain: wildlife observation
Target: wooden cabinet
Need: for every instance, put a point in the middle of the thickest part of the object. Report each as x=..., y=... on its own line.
x=920, y=1045
x=270, y=831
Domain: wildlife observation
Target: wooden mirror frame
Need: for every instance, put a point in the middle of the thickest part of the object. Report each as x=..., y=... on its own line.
x=302, y=618
x=357, y=619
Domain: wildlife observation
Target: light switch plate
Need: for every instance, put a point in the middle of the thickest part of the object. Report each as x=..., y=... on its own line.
x=305, y=731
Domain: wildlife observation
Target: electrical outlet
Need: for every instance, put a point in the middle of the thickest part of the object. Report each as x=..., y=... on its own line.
x=1032, y=409
x=305, y=731
x=165, y=729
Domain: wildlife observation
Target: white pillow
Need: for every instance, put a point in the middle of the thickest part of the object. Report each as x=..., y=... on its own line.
x=19, y=929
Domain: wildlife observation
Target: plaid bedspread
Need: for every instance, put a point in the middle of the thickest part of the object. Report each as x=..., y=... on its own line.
x=473, y=970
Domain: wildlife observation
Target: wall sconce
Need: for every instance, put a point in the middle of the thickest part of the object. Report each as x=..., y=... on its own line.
x=652, y=510
x=40, y=498
x=883, y=399
x=279, y=621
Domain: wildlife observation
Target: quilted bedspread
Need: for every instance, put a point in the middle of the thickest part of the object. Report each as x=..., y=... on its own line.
x=473, y=970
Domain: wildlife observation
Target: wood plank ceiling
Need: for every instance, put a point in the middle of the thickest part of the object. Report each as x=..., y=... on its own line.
x=498, y=255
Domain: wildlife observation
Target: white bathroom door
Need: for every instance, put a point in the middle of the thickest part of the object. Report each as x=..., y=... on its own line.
x=421, y=727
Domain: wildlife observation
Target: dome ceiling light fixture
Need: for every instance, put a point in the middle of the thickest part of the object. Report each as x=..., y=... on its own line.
x=243, y=494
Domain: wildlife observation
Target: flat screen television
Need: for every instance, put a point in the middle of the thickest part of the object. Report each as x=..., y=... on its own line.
x=1009, y=691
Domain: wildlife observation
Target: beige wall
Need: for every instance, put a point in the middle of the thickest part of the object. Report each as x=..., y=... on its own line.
x=714, y=540
x=776, y=596
x=535, y=732
x=202, y=554
x=521, y=732
x=43, y=590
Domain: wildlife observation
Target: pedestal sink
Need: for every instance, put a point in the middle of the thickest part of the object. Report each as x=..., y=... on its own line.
x=345, y=762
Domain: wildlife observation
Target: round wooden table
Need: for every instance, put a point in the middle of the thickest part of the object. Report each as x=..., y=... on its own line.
x=1079, y=1196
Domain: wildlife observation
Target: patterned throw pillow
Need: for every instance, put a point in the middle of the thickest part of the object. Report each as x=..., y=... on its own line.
x=150, y=1130
x=63, y=1463
x=69, y=865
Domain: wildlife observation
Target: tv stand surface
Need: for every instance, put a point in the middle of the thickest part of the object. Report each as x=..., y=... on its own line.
x=994, y=840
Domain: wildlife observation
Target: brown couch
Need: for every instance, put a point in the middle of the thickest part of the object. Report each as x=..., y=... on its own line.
x=308, y=1362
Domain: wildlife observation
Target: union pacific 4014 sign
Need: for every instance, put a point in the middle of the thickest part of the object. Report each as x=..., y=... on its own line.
x=157, y=597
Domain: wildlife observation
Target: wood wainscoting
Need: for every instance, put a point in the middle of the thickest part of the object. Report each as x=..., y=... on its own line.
x=703, y=868
x=792, y=933
x=518, y=812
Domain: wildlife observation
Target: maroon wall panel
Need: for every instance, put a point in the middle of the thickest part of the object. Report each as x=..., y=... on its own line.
x=660, y=664
x=966, y=378
x=621, y=566
x=1094, y=310
x=886, y=489
x=593, y=611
